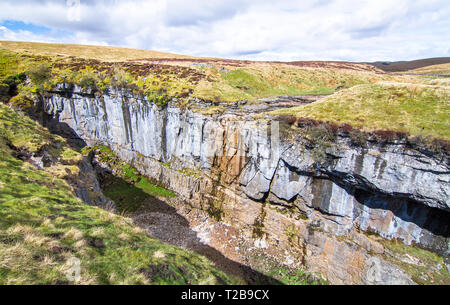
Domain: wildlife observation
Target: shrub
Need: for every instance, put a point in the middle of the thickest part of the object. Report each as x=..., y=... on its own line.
x=40, y=74
x=305, y=122
x=358, y=138
x=346, y=128
x=292, y=120
x=443, y=144
x=88, y=82
x=21, y=102
x=288, y=119
x=159, y=100
x=437, y=146
x=121, y=79
x=321, y=138
x=332, y=127
x=320, y=135
x=14, y=80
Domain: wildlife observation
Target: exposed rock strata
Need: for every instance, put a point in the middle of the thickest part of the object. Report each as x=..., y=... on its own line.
x=232, y=165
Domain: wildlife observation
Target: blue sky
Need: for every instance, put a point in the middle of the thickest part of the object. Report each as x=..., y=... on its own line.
x=244, y=29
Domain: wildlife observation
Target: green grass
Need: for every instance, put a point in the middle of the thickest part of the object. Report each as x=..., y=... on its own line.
x=10, y=64
x=254, y=84
x=43, y=225
x=411, y=108
x=153, y=190
x=268, y=80
x=129, y=197
x=297, y=277
x=430, y=268
x=127, y=188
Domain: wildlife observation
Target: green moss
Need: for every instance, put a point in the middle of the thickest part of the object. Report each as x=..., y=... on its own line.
x=157, y=98
x=168, y=164
x=291, y=234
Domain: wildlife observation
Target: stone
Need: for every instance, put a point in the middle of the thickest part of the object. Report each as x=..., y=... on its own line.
x=393, y=191
x=379, y=272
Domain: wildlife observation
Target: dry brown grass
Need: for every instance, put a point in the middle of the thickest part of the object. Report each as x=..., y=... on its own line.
x=435, y=69
x=85, y=51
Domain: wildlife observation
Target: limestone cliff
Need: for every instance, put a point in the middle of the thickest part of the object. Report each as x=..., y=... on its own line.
x=301, y=211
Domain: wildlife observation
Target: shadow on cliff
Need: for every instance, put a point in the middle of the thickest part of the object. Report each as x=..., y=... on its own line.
x=434, y=222
x=55, y=126
x=163, y=222
x=65, y=131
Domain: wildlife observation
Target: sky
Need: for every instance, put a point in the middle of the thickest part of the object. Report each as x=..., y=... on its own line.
x=284, y=30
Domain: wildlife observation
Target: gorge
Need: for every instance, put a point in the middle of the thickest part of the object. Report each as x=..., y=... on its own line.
x=333, y=213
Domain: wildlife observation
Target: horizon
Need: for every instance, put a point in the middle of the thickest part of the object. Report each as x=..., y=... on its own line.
x=338, y=30
x=211, y=57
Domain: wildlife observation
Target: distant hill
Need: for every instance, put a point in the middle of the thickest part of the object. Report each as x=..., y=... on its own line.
x=103, y=53
x=212, y=79
x=402, y=66
x=441, y=69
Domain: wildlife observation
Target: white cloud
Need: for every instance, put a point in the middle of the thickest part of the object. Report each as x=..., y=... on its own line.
x=253, y=29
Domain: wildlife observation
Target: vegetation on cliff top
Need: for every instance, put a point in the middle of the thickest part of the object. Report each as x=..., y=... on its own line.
x=366, y=99
x=160, y=77
x=425, y=267
x=43, y=225
x=415, y=109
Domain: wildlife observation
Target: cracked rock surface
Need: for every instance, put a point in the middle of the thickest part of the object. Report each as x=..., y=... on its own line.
x=391, y=190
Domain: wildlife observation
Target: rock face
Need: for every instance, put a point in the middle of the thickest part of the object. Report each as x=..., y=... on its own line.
x=238, y=169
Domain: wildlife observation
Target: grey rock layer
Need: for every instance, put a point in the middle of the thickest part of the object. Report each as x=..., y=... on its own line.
x=393, y=191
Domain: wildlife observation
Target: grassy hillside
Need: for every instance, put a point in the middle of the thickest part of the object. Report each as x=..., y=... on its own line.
x=443, y=69
x=103, y=53
x=43, y=225
x=162, y=76
x=403, y=66
x=359, y=95
x=411, y=108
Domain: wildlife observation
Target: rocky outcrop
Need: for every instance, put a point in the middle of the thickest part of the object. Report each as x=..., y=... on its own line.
x=245, y=172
